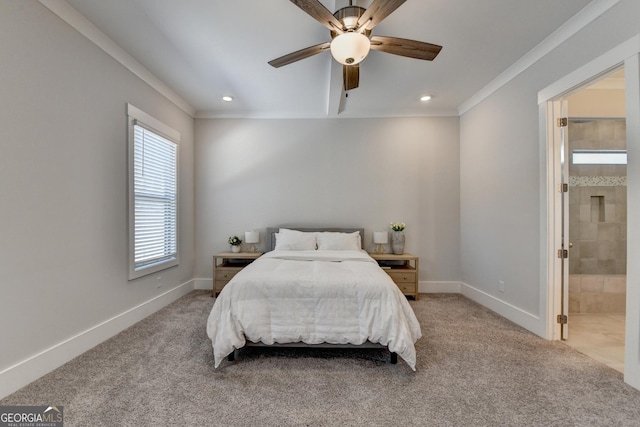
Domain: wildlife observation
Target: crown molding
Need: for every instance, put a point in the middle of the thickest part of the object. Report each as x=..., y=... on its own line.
x=81, y=24
x=580, y=20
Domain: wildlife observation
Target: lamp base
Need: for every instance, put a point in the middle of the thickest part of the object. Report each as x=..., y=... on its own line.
x=379, y=248
x=252, y=248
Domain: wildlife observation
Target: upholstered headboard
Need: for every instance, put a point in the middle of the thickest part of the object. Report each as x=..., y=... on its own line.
x=271, y=239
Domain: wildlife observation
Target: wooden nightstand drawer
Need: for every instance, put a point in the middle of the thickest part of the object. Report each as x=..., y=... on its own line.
x=225, y=274
x=407, y=287
x=403, y=276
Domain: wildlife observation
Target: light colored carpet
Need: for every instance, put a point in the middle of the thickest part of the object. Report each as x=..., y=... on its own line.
x=474, y=369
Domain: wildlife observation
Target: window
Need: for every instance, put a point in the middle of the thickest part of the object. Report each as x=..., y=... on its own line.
x=599, y=157
x=153, y=194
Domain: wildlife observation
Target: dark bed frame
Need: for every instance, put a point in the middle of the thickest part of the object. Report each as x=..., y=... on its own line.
x=270, y=245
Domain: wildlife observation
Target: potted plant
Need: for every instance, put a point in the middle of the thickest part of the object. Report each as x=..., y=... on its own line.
x=235, y=243
x=397, y=237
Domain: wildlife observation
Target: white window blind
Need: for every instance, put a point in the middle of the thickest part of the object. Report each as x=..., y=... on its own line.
x=155, y=182
x=153, y=200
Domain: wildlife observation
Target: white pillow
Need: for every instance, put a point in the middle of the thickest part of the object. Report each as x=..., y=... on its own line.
x=328, y=240
x=292, y=240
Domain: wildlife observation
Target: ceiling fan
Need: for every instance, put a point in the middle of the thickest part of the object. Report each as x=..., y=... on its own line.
x=351, y=39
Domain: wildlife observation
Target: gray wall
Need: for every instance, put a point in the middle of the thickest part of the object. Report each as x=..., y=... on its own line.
x=251, y=174
x=499, y=197
x=501, y=205
x=63, y=183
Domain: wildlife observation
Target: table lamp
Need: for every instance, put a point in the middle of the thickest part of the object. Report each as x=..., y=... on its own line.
x=380, y=238
x=251, y=238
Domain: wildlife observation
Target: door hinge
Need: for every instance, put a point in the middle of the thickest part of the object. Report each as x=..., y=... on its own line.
x=563, y=253
x=563, y=122
x=563, y=319
x=563, y=188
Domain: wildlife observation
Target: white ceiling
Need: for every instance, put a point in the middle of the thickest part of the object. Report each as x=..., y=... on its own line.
x=204, y=49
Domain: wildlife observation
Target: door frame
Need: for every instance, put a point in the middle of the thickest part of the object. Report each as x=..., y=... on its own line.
x=557, y=215
x=625, y=55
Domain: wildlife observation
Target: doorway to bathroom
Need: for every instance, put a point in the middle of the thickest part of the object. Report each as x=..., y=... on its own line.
x=597, y=220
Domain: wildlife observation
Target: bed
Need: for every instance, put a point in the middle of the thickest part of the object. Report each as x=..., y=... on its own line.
x=316, y=287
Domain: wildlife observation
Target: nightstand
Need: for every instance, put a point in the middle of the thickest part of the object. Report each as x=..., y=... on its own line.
x=403, y=269
x=228, y=264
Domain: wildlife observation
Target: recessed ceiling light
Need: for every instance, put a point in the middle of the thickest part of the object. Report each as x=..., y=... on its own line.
x=227, y=98
x=425, y=98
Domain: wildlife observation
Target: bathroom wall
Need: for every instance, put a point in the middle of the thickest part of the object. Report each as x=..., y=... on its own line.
x=598, y=220
x=597, y=293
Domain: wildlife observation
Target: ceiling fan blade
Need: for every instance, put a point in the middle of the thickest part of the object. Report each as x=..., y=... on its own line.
x=351, y=76
x=320, y=13
x=378, y=10
x=405, y=47
x=300, y=54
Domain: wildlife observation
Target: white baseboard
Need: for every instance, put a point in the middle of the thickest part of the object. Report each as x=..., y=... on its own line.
x=518, y=316
x=22, y=373
x=204, y=284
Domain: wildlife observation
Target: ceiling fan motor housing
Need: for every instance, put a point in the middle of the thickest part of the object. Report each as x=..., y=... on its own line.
x=349, y=16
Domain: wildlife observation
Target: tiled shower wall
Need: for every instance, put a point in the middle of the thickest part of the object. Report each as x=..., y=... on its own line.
x=598, y=220
x=596, y=293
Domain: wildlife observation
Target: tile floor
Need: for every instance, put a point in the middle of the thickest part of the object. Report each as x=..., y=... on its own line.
x=599, y=336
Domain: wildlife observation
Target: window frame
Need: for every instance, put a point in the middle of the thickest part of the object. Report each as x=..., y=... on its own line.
x=135, y=116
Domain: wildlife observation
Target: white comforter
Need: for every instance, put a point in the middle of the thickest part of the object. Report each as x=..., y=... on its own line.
x=337, y=297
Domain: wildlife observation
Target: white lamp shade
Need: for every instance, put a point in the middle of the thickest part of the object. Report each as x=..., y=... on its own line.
x=251, y=237
x=380, y=237
x=350, y=48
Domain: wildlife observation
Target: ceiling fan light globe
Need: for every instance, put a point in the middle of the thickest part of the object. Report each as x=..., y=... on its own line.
x=350, y=48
